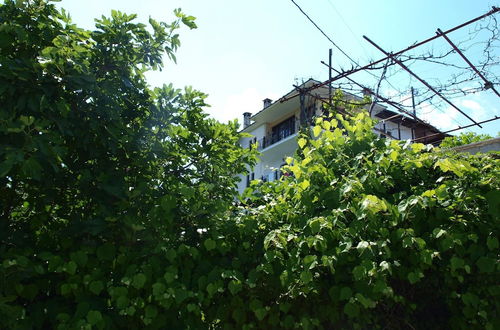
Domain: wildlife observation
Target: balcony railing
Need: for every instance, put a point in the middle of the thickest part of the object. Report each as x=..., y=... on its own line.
x=275, y=137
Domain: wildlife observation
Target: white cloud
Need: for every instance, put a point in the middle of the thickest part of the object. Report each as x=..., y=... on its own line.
x=472, y=105
x=444, y=120
x=234, y=105
x=474, y=109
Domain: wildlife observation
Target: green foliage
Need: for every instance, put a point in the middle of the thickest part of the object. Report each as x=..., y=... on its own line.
x=375, y=233
x=118, y=206
x=105, y=183
x=463, y=138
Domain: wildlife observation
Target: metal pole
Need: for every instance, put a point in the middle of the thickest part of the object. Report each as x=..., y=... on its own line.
x=414, y=112
x=420, y=79
x=303, y=119
x=455, y=129
x=330, y=77
x=494, y=10
x=487, y=84
x=395, y=105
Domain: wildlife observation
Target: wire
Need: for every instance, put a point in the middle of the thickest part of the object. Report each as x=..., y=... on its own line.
x=347, y=25
x=333, y=43
x=495, y=9
x=322, y=32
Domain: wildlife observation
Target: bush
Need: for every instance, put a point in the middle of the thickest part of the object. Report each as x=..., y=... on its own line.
x=118, y=203
x=103, y=180
x=463, y=138
x=372, y=233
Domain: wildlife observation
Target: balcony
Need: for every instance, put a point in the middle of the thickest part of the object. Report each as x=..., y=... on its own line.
x=279, y=132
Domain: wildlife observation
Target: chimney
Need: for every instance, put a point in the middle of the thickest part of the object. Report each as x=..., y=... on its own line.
x=246, y=119
x=267, y=102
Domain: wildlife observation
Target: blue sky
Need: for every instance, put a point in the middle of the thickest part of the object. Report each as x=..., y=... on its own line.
x=245, y=51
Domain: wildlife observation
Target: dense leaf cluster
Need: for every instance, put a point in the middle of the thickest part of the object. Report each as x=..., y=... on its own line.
x=463, y=138
x=100, y=175
x=117, y=203
x=376, y=233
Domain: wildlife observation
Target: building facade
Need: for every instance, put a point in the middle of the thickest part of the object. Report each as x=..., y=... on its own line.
x=274, y=129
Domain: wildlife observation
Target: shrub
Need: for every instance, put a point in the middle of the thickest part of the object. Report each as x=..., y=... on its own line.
x=118, y=203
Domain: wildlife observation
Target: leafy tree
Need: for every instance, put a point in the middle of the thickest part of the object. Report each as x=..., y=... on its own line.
x=463, y=138
x=118, y=203
x=368, y=233
x=100, y=175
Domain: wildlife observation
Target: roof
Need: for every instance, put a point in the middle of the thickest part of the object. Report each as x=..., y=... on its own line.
x=384, y=113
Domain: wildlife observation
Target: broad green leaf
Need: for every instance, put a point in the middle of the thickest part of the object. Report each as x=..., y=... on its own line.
x=301, y=142
x=94, y=317
x=96, y=287
x=65, y=289
x=417, y=147
x=255, y=304
x=486, y=265
x=306, y=276
x=234, y=286
x=456, y=263
x=492, y=243
x=359, y=272
x=351, y=309
x=420, y=242
x=317, y=130
x=345, y=293
x=158, y=289
x=260, y=313
x=139, y=280
x=210, y=244
x=366, y=302
x=169, y=277
x=438, y=232
x=211, y=288
x=414, y=277
x=373, y=203
x=304, y=184
x=70, y=267
x=151, y=311
x=315, y=225
x=309, y=259
x=80, y=258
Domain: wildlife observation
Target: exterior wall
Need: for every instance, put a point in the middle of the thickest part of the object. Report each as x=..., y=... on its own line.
x=271, y=160
x=274, y=153
x=480, y=147
x=273, y=156
x=392, y=128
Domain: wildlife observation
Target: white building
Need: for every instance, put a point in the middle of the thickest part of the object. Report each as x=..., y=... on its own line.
x=275, y=127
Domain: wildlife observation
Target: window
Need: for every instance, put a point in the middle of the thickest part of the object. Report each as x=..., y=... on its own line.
x=252, y=142
x=283, y=130
x=250, y=177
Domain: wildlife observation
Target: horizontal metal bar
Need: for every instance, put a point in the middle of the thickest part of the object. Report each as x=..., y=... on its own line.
x=456, y=129
x=487, y=83
x=419, y=79
x=491, y=12
x=381, y=97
